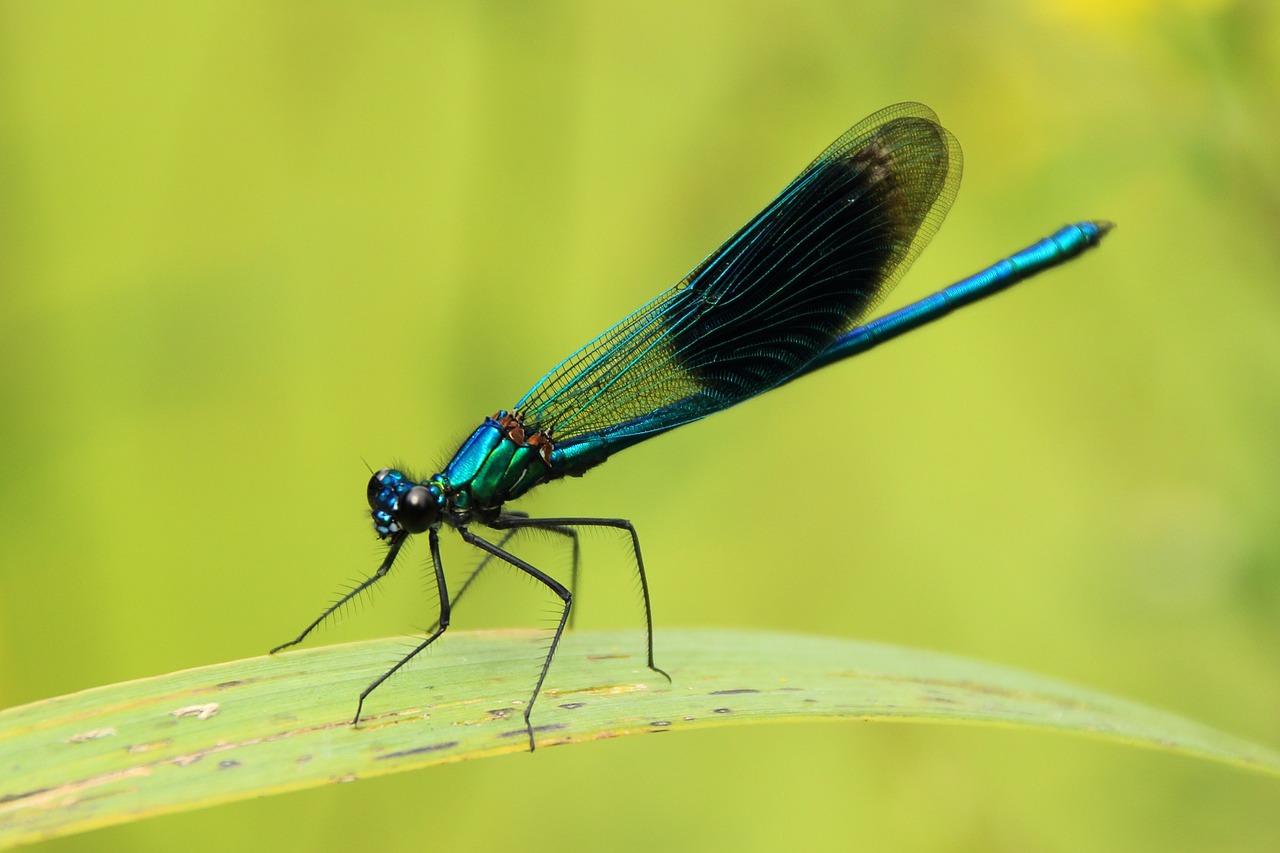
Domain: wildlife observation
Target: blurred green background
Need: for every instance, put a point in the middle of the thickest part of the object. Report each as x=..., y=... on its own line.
x=245, y=248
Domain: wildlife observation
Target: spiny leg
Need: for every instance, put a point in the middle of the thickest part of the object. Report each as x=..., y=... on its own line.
x=392, y=550
x=471, y=578
x=502, y=544
x=573, y=569
x=442, y=624
x=509, y=521
x=548, y=581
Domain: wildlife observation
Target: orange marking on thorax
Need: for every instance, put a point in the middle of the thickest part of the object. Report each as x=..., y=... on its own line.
x=512, y=425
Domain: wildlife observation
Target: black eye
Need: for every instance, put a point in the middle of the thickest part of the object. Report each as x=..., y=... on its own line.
x=417, y=510
x=375, y=485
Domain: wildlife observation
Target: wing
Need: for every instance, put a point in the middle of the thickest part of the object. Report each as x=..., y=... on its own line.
x=807, y=268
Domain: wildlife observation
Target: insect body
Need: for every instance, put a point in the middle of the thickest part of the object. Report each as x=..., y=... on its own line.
x=788, y=294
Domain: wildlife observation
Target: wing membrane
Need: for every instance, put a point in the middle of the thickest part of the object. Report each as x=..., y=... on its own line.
x=809, y=267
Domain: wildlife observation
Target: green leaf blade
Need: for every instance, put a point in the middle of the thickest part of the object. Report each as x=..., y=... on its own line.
x=266, y=725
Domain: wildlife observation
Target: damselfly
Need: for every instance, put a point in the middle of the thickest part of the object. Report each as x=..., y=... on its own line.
x=786, y=295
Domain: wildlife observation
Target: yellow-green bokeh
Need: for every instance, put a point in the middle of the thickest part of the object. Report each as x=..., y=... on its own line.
x=247, y=248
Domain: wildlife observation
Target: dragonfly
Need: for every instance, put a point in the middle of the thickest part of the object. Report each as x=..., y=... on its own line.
x=786, y=295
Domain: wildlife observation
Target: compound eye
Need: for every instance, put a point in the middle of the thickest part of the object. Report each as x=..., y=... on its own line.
x=417, y=510
x=375, y=486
